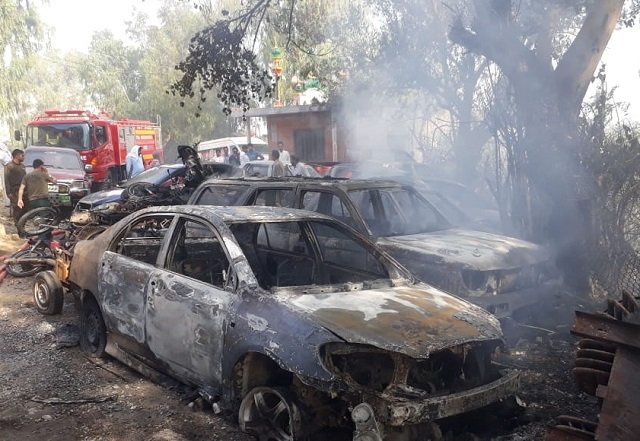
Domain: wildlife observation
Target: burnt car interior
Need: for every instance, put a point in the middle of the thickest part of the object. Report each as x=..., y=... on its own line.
x=198, y=253
x=143, y=239
x=393, y=212
x=327, y=203
x=300, y=254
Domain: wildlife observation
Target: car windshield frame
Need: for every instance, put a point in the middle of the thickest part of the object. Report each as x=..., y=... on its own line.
x=396, y=275
x=52, y=159
x=381, y=224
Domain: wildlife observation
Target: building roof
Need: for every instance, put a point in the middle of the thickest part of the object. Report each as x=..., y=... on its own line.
x=284, y=110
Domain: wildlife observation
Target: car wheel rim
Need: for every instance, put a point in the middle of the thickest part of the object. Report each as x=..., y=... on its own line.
x=41, y=295
x=267, y=414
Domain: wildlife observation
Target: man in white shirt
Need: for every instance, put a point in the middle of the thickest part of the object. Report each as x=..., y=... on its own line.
x=244, y=158
x=284, y=155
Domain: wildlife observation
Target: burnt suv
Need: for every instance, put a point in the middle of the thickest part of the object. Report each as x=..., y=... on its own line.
x=503, y=274
x=65, y=165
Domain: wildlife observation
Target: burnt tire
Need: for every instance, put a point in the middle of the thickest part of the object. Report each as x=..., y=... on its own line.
x=271, y=413
x=37, y=221
x=48, y=293
x=26, y=269
x=93, y=332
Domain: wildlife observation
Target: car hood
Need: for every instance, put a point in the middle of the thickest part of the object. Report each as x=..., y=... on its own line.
x=63, y=174
x=102, y=197
x=469, y=249
x=414, y=320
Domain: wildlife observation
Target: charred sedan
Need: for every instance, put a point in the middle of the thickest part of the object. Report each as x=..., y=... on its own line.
x=288, y=317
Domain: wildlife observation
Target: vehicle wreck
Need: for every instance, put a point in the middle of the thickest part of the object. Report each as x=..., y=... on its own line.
x=500, y=273
x=289, y=318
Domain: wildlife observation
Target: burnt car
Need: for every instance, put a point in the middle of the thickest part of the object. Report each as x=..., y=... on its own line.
x=291, y=319
x=501, y=273
x=160, y=185
x=66, y=166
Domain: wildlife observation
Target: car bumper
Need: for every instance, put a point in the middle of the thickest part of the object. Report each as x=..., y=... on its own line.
x=504, y=305
x=396, y=411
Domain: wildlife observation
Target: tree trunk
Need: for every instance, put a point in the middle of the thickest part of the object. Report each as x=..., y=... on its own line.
x=548, y=102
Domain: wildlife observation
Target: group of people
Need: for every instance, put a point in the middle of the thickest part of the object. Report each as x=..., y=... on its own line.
x=237, y=157
x=246, y=153
x=25, y=191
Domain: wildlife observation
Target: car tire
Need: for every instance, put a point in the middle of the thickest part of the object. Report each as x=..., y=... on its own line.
x=25, y=269
x=93, y=332
x=271, y=413
x=48, y=293
x=37, y=221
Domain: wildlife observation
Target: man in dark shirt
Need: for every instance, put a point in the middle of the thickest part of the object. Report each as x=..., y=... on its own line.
x=36, y=185
x=13, y=174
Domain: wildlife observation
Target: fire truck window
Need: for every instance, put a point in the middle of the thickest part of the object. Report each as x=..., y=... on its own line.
x=101, y=135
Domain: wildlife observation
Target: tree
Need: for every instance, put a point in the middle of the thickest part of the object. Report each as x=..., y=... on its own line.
x=162, y=48
x=21, y=35
x=111, y=74
x=548, y=88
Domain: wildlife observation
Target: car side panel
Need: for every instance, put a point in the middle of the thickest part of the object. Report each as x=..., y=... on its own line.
x=122, y=284
x=185, y=325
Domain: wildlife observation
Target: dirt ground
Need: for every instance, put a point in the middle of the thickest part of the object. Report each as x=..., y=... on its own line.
x=50, y=391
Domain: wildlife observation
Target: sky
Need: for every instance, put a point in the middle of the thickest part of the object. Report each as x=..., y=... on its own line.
x=623, y=64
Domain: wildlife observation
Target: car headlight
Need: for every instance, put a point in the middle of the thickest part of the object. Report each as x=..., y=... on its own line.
x=78, y=185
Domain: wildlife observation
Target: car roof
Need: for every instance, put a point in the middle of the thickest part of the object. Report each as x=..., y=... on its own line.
x=345, y=184
x=44, y=149
x=240, y=214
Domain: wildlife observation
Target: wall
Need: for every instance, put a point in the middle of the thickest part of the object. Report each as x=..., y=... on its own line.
x=282, y=128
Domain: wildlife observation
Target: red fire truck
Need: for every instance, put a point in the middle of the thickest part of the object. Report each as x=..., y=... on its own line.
x=102, y=142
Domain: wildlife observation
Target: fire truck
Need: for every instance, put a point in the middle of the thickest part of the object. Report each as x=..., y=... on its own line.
x=103, y=143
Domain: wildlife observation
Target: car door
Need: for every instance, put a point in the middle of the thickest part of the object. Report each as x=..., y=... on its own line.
x=124, y=272
x=188, y=302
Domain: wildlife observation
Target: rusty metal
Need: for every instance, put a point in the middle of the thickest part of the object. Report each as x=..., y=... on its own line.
x=607, y=363
x=570, y=428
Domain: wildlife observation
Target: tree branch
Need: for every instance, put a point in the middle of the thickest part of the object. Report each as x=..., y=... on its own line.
x=577, y=66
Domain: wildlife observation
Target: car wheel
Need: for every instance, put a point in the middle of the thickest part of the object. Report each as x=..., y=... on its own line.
x=93, y=332
x=25, y=269
x=48, y=294
x=37, y=221
x=271, y=414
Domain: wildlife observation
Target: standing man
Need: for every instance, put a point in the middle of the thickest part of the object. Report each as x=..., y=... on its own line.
x=133, y=162
x=14, y=172
x=278, y=166
x=244, y=157
x=284, y=155
x=253, y=155
x=234, y=159
x=36, y=185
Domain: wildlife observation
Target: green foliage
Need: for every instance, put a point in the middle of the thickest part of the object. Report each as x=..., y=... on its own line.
x=129, y=81
x=21, y=35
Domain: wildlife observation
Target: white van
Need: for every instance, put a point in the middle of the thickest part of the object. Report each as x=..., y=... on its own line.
x=207, y=149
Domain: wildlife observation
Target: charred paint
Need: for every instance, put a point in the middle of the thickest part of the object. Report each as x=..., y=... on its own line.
x=411, y=320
